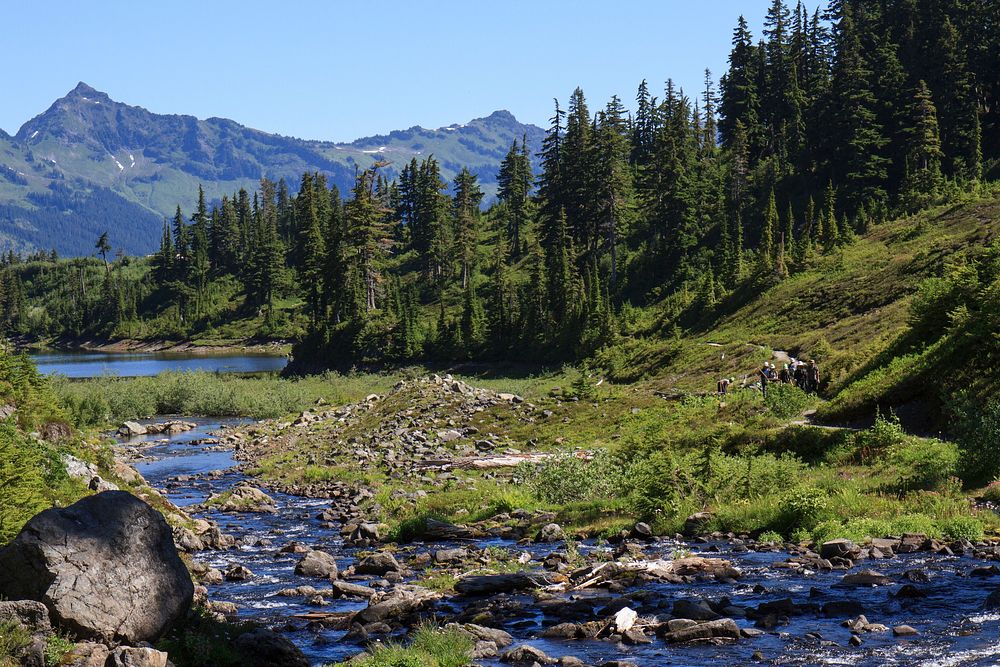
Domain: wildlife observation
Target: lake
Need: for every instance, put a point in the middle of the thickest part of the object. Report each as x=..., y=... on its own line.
x=135, y=364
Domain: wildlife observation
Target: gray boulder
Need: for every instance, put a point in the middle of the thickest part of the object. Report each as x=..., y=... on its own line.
x=105, y=567
x=317, y=564
x=130, y=656
x=32, y=615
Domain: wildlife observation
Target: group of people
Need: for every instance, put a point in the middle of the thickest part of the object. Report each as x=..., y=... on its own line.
x=802, y=374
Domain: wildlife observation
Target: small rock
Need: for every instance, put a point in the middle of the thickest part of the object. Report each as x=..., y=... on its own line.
x=904, y=631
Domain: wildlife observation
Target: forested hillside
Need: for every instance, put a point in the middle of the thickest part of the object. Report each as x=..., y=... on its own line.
x=90, y=164
x=640, y=227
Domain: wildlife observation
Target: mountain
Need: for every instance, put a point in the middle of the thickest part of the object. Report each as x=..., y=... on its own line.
x=90, y=164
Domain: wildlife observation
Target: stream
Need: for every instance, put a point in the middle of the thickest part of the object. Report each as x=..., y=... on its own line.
x=953, y=627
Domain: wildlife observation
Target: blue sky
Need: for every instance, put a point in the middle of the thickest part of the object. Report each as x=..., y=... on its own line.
x=337, y=70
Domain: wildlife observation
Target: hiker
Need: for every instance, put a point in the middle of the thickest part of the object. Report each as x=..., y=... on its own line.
x=765, y=376
x=813, y=377
x=785, y=375
x=802, y=376
x=723, y=386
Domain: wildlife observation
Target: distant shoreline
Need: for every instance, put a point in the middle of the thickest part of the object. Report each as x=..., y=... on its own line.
x=249, y=346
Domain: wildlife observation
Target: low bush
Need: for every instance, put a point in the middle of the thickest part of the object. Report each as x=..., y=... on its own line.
x=786, y=401
x=919, y=464
x=14, y=639
x=962, y=528
x=568, y=478
x=804, y=507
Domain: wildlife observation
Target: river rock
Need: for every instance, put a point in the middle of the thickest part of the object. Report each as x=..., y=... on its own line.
x=317, y=564
x=238, y=572
x=398, y=602
x=342, y=588
x=723, y=628
x=130, y=656
x=86, y=654
x=131, y=429
x=480, y=633
x=866, y=578
x=379, y=564
x=450, y=555
x=243, y=498
x=265, y=648
x=839, y=548
x=550, y=532
x=491, y=584
x=993, y=600
x=526, y=655
x=105, y=567
x=695, y=610
x=904, y=631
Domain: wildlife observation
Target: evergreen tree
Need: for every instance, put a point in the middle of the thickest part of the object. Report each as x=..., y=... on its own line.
x=768, y=247
x=465, y=210
x=923, y=152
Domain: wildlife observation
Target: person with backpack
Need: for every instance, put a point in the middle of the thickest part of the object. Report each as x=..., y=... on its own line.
x=813, y=377
x=765, y=377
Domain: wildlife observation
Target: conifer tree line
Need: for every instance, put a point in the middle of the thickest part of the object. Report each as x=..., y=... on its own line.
x=832, y=120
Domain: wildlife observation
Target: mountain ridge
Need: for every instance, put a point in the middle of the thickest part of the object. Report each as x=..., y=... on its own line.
x=87, y=151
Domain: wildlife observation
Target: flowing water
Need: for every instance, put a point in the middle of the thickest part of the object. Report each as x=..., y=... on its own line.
x=954, y=628
x=78, y=364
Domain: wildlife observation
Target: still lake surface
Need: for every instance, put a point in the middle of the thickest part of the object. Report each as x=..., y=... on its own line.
x=135, y=364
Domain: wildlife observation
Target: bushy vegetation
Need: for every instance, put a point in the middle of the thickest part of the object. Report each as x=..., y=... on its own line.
x=14, y=639
x=109, y=400
x=32, y=475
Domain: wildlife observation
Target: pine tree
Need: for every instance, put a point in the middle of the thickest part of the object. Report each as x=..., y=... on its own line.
x=513, y=189
x=614, y=196
x=465, y=209
x=163, y=262
x=856, y=137
x=954, y=87
x=367, y=237
x=923, y=152
x=768, y=247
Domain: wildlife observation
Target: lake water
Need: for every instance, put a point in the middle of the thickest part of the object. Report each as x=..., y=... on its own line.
x=129, y=364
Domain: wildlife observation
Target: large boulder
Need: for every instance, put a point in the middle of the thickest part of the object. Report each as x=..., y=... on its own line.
x=317, y=564
x=106, y=568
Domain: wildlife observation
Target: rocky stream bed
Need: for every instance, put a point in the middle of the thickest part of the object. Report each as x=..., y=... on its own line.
x=315, y=571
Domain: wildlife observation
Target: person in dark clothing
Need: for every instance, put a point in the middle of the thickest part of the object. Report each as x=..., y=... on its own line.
x=785, y=375
x=813, y=376
x=802, y=376
x=765, y=377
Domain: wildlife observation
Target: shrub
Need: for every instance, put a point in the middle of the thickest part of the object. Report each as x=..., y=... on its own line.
x=22, y=485
x=992, y=492
x=770, y=537
x=14, y=638
x=786, y=401
x=873, y=443
x=923, y=464
x=977, y=426
x=568, y=478
x=804, y=507
x=962, y=528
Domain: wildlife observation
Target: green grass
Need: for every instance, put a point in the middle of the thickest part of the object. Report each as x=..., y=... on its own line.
x=428, y=647
x=111, y=400
x=14, y=638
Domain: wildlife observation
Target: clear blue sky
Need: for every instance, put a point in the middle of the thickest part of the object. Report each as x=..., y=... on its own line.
x=340, y=70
